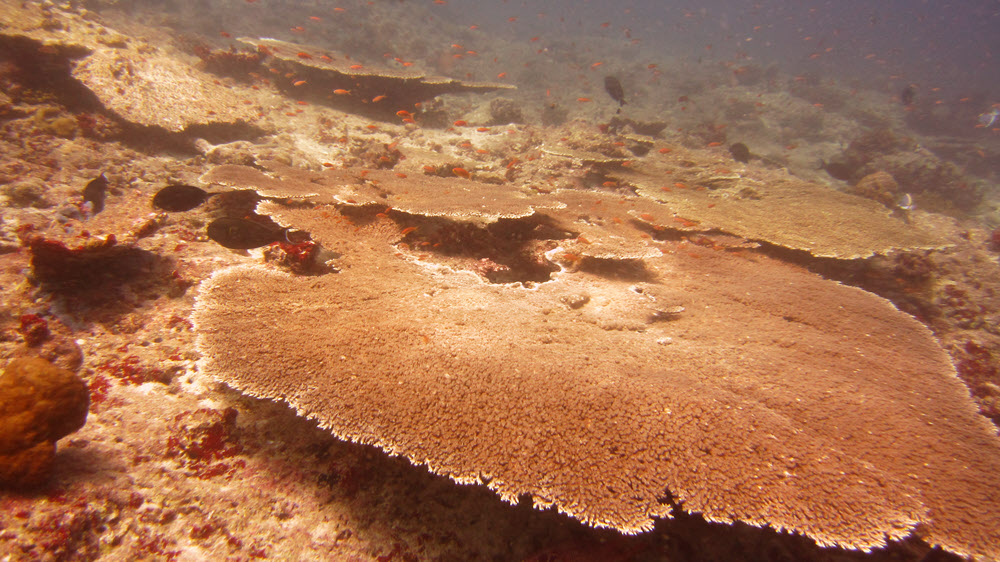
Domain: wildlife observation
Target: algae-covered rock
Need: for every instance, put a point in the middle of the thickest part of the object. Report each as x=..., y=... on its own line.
x=39, y=404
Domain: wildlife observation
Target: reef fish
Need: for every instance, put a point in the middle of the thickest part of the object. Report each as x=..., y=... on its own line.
x=989, y=118
x=905, y=202
x=908, y=94
x=176, y=198
x=95, y=192
x=615, y=90
x=244, y=234
x=740, y=152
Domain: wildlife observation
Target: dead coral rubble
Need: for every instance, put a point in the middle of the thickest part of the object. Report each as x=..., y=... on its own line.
x=39, y=404
x=771, y=396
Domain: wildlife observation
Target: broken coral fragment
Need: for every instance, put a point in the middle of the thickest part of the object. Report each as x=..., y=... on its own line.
x=775, y=398
x=39, y=404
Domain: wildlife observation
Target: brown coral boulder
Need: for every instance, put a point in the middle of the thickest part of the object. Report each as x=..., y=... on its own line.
x=880, y=186
x=39, y=404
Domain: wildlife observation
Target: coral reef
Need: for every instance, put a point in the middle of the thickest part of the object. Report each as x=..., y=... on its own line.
x=934, y=183
x=479, y=353
x=536, y=292
x=39, y=404
x=504, y=111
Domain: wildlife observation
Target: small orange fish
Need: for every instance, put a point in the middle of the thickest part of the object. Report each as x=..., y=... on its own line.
x=714, y=144
x=341, y=92
x=356, y=67
x=407, y=230
x=483, y=129
x=460, y=123
x=403, y=113
x=409, y=120
x=299, y=29
x=457, y=47
x=596, y=64
x=582, y=100
x=379, y=98
x=502, y=75
x=461, y=172
x=224, y=34
x=314, y=18
x=305, y=56
x=299, y=83
x=430, y=169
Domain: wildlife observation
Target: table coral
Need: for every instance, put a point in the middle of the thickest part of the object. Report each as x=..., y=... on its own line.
x=767, y=400
x=39, y=404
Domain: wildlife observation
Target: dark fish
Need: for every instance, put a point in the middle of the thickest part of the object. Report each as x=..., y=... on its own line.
x=740, y=152
x=243, y=234
x=837, y=170
x=176, y=198
x=615, y=90
x=908, y=94
x=95, y=192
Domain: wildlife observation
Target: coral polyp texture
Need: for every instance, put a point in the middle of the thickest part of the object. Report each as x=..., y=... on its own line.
x=39, y=404
x=739, y=388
